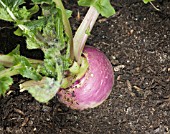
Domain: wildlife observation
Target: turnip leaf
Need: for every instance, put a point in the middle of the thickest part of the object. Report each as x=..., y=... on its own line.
x=43, y=90
x=15, y=51
x=103, y=6
x=5, y=83
x=4, y=15
x=147, y=1
x=1, y=67
x=47, y=33
x=25, y=68
x=13, y=4
x=42, y=1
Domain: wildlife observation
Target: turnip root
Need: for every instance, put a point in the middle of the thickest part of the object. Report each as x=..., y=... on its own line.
x=94, y=87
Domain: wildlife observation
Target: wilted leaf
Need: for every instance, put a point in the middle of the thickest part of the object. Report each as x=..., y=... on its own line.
x=43, y=90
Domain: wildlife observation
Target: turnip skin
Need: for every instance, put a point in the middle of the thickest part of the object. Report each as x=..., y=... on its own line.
x=95, y=87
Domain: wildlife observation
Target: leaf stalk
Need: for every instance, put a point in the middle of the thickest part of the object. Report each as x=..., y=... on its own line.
x=81, y=35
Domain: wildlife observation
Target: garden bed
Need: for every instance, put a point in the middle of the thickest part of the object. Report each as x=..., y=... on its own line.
x=137, y=42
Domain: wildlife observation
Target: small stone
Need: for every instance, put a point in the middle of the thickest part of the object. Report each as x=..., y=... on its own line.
x=46, y=108
x=34, y=129
x=168, y=69
x=118, y=68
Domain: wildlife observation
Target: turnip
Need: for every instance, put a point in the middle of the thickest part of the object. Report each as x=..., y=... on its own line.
x=81, y=76
x=94, y=87
x=96, y=84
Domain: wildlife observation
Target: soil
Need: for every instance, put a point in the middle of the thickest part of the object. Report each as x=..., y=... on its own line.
x=137, y=42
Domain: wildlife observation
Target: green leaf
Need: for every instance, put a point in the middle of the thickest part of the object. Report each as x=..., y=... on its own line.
x=18, y=32
x=29, y=72
x=86, y=2
x=32, y=32
x=26, y=69
x=12, y=4
x=13, y=10
x=5, y=83
x=42, y=1
x=147, y=1
x=32, y=43
x=33, y=10
x=9, y=8
x=102, y=6
x=43, y=90
x=69, y=13
x=88, y=31
x=75, y=68
x=83, y=68
x=46, y=32
x=1, y=67
x=4, y=15
x=53, y=64
x=22, y=14
x=15, y=51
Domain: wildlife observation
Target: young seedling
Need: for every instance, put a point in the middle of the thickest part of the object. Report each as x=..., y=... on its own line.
x=150, y=1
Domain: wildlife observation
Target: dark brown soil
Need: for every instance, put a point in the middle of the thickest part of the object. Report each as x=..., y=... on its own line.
x=137, y=41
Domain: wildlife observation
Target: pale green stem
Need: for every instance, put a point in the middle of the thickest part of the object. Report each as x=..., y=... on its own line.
x=154, y=6
x=7, y=60
x=10, y=71
x=67, y=26
x=81, y=35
